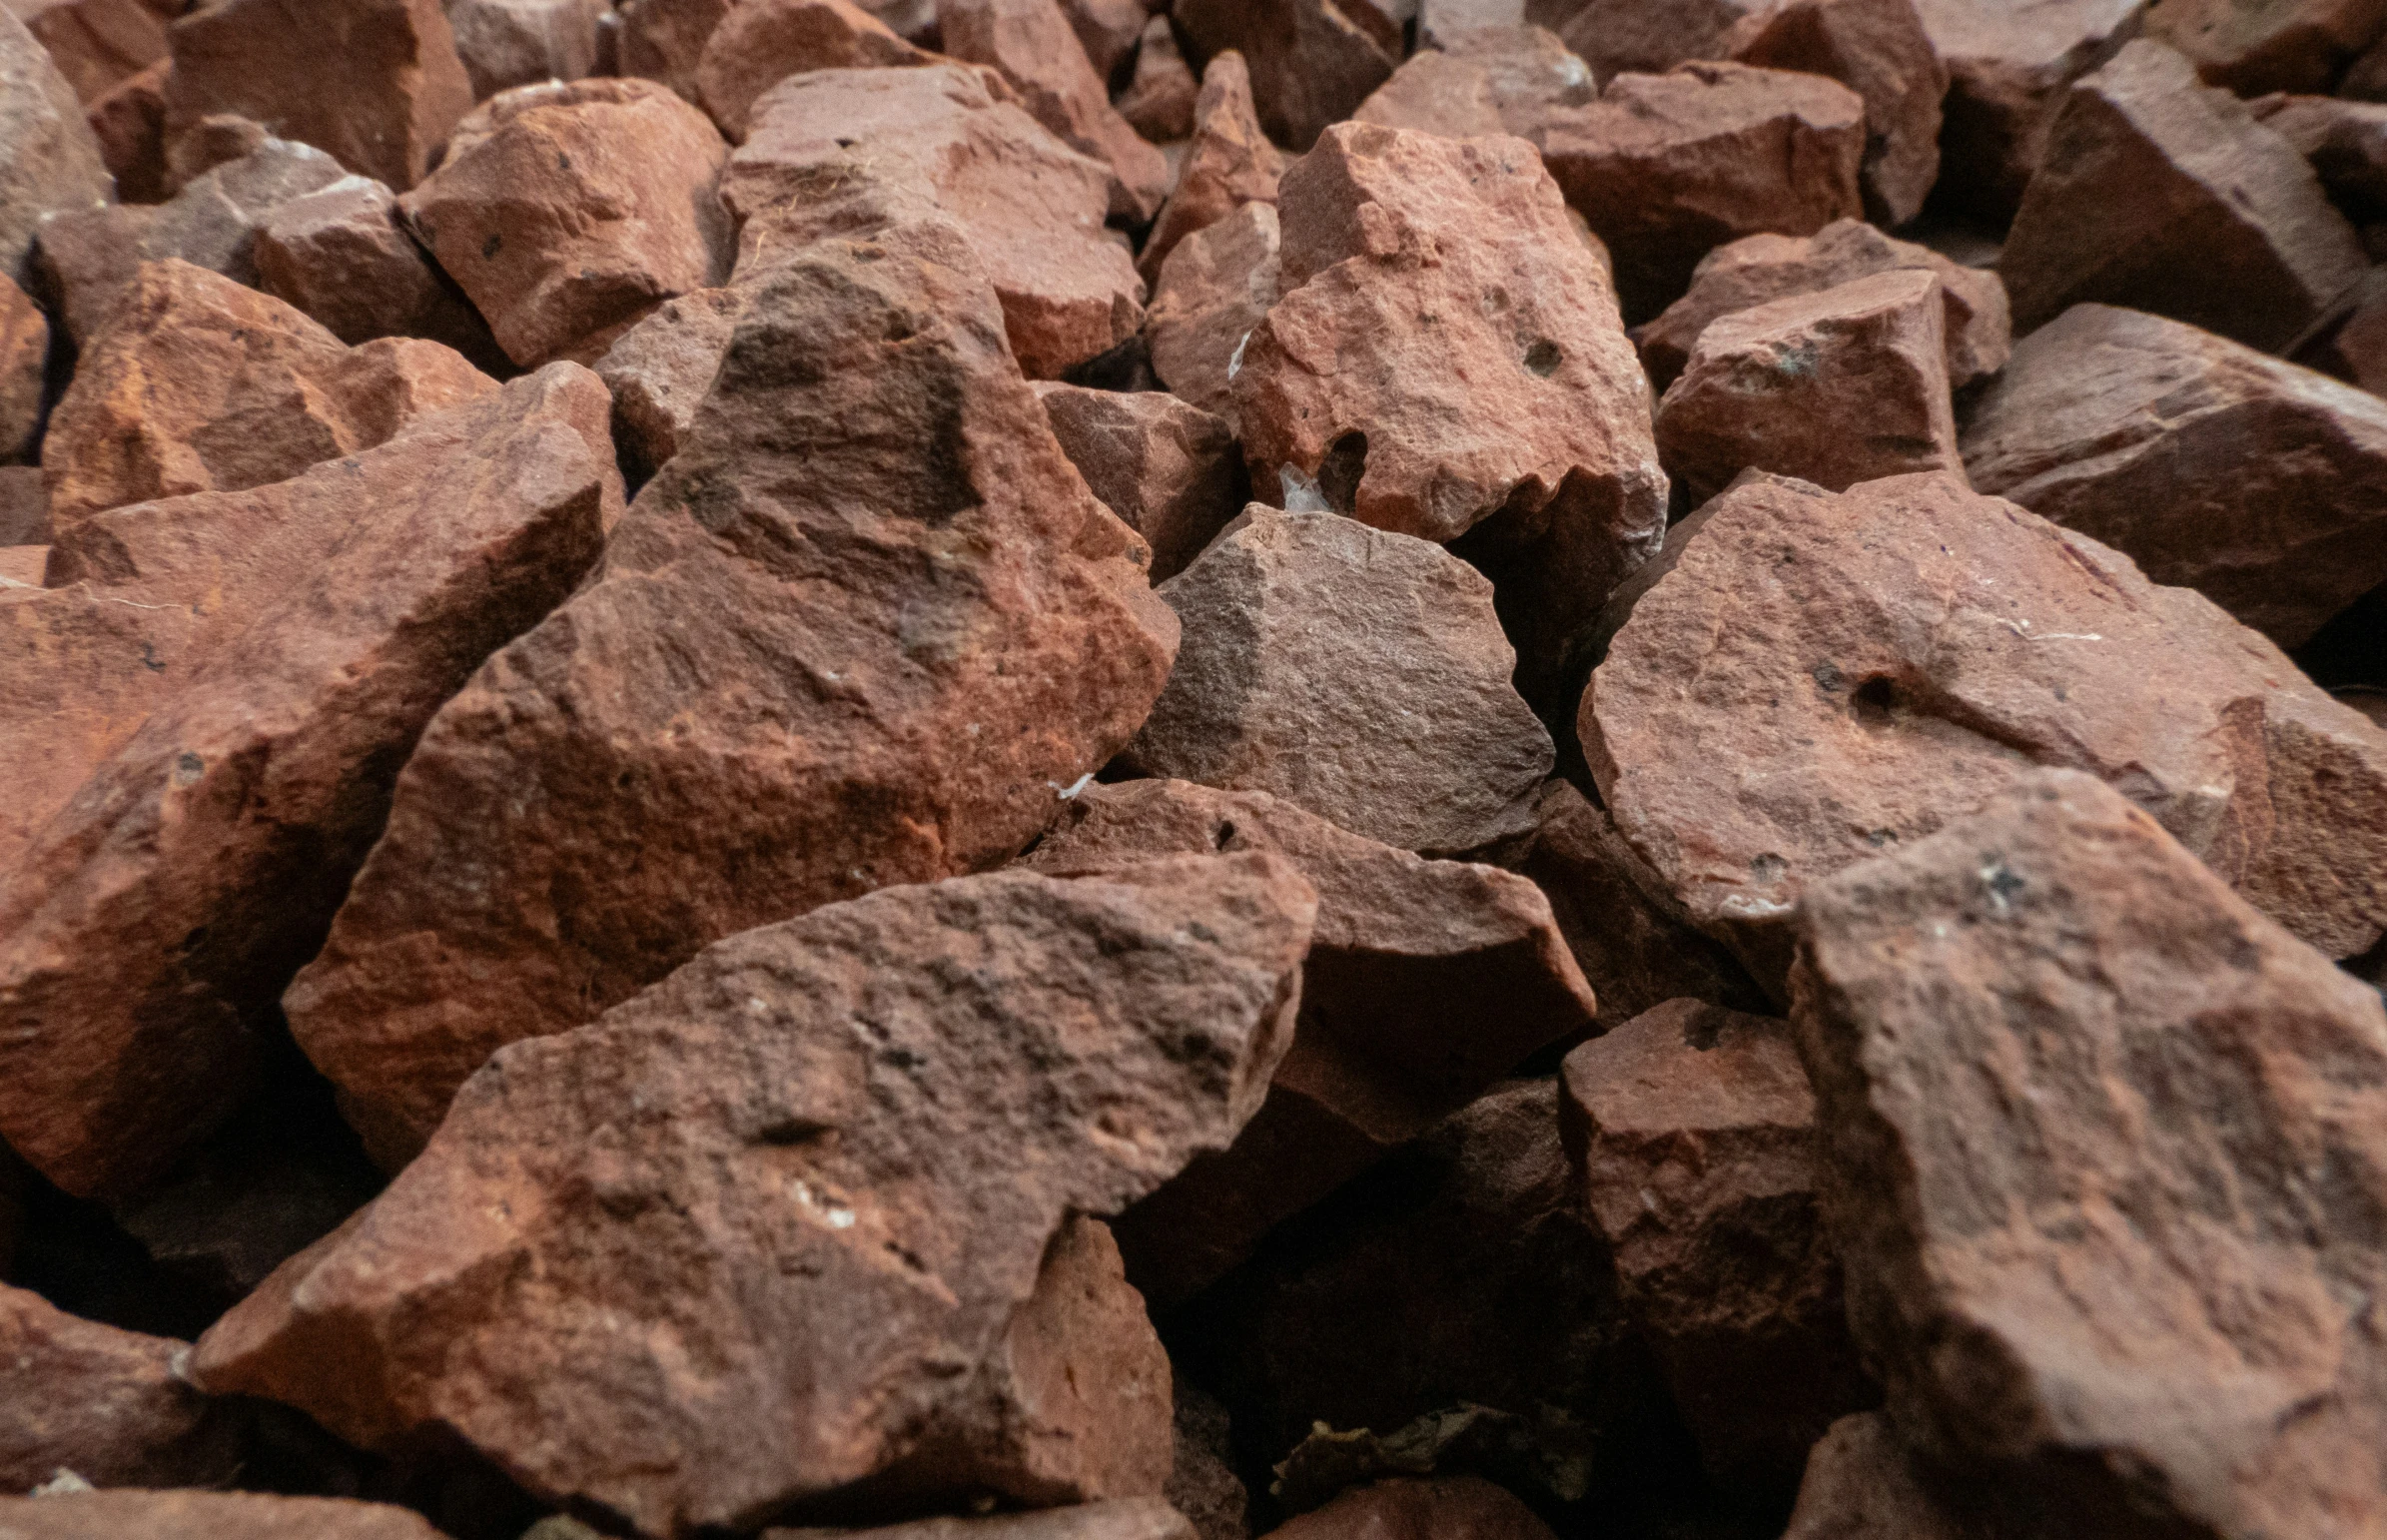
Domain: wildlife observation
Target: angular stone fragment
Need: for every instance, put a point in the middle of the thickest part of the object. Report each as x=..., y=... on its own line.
x=184, y=1515
x=1488, y=80
x=1280, y=614
x=664, y=40
x=660, y=370
x=1032, y=45
x=24, y=507
x=103, y=1403
x=844, y=661
x=1617, y=37
x=2346, y=142
x=762, y=42
x=1872, y=664
x=1312, y=61
x=1667, y=167
x=1445, y=1508
x=851, y=1222
x=342, y=255
x=1169, y=471
x=1108, y=30
x=1879, y=50
x=1229, y=164
x=24, y=365
x=48, y=161
x=2162, y=194
x=2008, y=69
x=98, y=43
x=509, y=43
x=567, y=211
x=842, y=150
x=2261, y=485
x=1215, y=287
x=376, y=84
x=195, y=148
x=202, y=385
x=1760, y=269
x=1862, y=1484
x=1693, y=1129
x=1159, y=102
x=2301, y=45
x=1435, y=93
x=1839, y=386
x=130, y=125
x=1117, y=1518
x=2082, y=1106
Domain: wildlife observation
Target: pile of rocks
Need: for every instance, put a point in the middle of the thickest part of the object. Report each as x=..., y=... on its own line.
x=1106, y=770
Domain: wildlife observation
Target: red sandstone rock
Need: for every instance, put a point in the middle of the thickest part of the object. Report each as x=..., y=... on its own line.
x=2300, y=46
x=1117, y=1518
x=843, y=661
x=1486, y=80
x=130, y=125
x=1312, y=61
x=48, y=161
x=838, y=151
x=1445, y=1508
x=1108, y=30
x=374, y=82
x=24, y=361
x=1280, y=614
x=1159, y=102
x=1214, y=289
x=1435, y=93
x=2346, y=142
x=1642, y=36
x=2166, y=197
x=2259, y=484
x=1872, y=664
x=1667, y=167
x=24, y=507
x=103, y=1403
x=98, y=43
x=206, y=1516
x=762, y=42
x=2080, y=1104
x=1169, y=471
x=1230, y=163
x=1838, y=387
x=2007, y=70
x=851, y=1138
x=660, y=370
x=1032, y=45
x=21, y=567
x=342, y=255
x=1862, y=1483
x=1879, y=50
x=664, y=40
x=568, y=212
x=195, y=148
x=509, y=43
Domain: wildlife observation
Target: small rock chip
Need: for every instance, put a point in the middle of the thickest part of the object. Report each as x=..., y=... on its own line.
x=1230, y=163
x=2298, y=46
x=376, y=84
x=1282, y=614
x=344, y=256
x=130, y=123
x=826, y=1205
x=2261, y=485
x=2165, y=196
x=1169, y=471
x=1445, y=1508
x=1214, y=289
x=2007, y=70
x=2080, y=1105
x=660, y=370
x=567, y=211
x=1667, y=167
x=206, y=1516
x=103, y=1403
x=24, y=362
x=1117, y=1518
x=49, y=160
x=1879, y=50
x=510, y=43
x=1160, y=100
x=1032, y=46
x=2346, y=142
x=1846, y=384
x=1862, y=1483
x=762, y=42
x=1312, y=61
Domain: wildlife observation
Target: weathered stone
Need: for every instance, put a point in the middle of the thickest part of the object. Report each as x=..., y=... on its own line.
x=2008, y=69
x=1435, y=93
x=1159, y=102
x=24, y=366
x=1312, y=61
x=664, y=40
x=838, y=150
x=853, y=1224
x=183, y=1515
x=98, y=43
x=2298, y=46
x=1117, y=1518
x=130, y=125
x=509, y=43
x=1169, y=471
x=1487, y=79
x=660, y=370
x=1862, y=1484
x=48, y=161
x=195, y=148
x=1280, y=614
x=1667, y=167
x=1872, y=664
x=24, y=507
x=1446, y=1508
x=1202, y=1485
x=1879, y=50
x=376, y=84
x=1846, y=384
x=1108, y=30
x=103, y=1403
x=1032, y=45
x=2346, y=143
x=567, y=211
x=2080, y=1105
x=21, y=567
x=1760, y=269
x=762, y=42
x=1230, y=163
x=201, y=384
x=1440, y=23
x=943, y=640
x=1215, y=288
x=2261, y=485
x=2162, y=194
x=1650, y=37
x=342, y=255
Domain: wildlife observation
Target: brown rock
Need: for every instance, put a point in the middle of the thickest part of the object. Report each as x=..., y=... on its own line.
x=1650, y=37
x=1879, y=50
x=1312, y=61
x=2359, y=348
x=1280, y=614
x=24, y=507
x=2346, y=142
x=762, y=42
x=1435, y=93
x=342, y=255
x=1393, y=1036
x=201, y=384
x=660, y=370
x=374, y=82
x=1215, y=288
x=1760, y=269
x=866, y=665
x=1202, y=1485
x=164, y=909
x=1117, y=1518
x=130, y=125
x=2261, y=485
x=2008, y=69
x=1839, y=386
x=852, y=1225
x=838, y=151
x=509, y=43
x=1487, y=79
x=98, y=43
x=1862, y=1483
x=21, y=567
x=1446, y=1508
x=206, y=1516
x=2300, y=46
x=1159, y=101
x=1693, y=1128
x=567, y=211
x=24, y=367
x=1108, y=30
x=103, y=1403
x=48, y=161
x=195, y=148
x=1169, y=471
x=1031, y=43
x=1230, y=163
x=1667, y=167
x=664, y=40
x=1442, y=22
x=2080, y=1104
x=1872, y=664
x=2166, y=197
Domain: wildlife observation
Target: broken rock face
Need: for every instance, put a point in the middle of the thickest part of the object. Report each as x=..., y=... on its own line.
x=1159, y=102
x=660, y=370
x=1446, y=1508
x=857, y=1222
x=2008, y=69
x=1879, y=50
x=24, y=361
x=1230, y=163
x=1169, y=471
x=103, y=1403
x=48, y=161
x=510, y=43
x=342, y=255
x=2252, y=49
x=1312, y=61
x=762, y=42
x=1214, y=289
x=1031, y=43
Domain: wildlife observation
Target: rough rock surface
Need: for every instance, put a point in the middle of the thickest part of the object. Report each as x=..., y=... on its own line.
x=24, y=360
x=1169, y=471
x=1667, y=167
x=103, y=1403
x=1760, y=269
x=660, y=370
x=2346, y=142
x=186, y=1516
x=376, y=84
x=1440, y=23
x=1879, y=50
x=130, y=125
x=2166, y=197
x=1872, y=664
x=1862, y=1483
x=148, y=931
x=96, y=43
x=344, y=256
x=851, y=1224
x=198, y=383
x=1117, y=1518
x=1846, y=384
x=1437, y=754
x=49, y=160
x=1032, y=46
x=1160, y=100
x=842, y=662
x=1445, y=1508
x=24, y=508
x=1312, y=61
x=510, y=43
x=567, y=211
x=1650, y=37
x=1485, y=80
x=1228, y=163
x=2251, y=49
x=1435, y=93
x=1214, y=289
x=1202, y=1485
x=762, y=42
x=664, y=40
x=2008, y=69
x=2261, y=484
x=2081, y=1105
